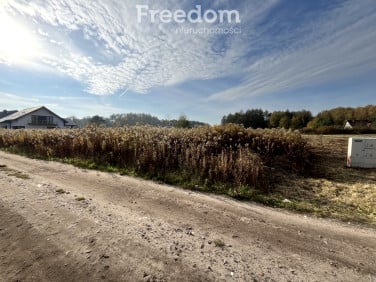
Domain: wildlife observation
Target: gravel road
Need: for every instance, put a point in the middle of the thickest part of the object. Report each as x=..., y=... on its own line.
x=107, y=227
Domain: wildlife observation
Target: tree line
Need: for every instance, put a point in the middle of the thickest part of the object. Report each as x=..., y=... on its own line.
x=337, y=116
x=258, y=118
x=132, y=119
x=254, y=118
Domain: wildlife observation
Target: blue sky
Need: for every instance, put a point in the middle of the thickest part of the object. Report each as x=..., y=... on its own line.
x=83, y=58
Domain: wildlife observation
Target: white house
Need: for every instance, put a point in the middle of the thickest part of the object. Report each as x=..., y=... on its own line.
x=34, y=118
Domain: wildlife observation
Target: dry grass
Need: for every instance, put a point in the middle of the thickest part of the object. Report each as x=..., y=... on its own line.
x=213, y=158
x=267, y=166
x=334, y=190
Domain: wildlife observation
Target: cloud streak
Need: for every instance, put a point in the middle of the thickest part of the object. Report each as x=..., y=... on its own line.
x=338, y=46
x=102, y=45
x=113, y=52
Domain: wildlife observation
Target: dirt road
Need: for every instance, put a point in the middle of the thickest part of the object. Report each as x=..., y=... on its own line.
x=107, y=227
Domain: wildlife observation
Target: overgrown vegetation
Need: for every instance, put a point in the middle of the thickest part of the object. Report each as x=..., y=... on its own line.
x=333, y=190
x=226, y=159
x=274, y=167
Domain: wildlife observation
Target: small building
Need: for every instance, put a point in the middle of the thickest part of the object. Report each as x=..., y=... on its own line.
x=6, y=113
x=351, y=124
x=70, y=123
x=33, y=118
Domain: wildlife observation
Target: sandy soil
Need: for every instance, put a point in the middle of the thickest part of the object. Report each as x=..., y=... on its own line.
x=128, y=229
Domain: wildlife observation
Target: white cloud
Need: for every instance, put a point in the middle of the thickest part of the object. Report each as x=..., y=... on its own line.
x=100, y=44
x=105, y=48
x=340, y=46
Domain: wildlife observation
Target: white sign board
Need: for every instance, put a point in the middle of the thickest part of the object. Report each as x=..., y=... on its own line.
x=361, y=152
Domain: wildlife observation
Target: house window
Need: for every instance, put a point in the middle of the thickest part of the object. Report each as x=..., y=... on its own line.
x=42, y=120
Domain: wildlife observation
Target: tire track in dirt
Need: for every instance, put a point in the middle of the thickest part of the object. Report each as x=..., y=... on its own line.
x=128, y=229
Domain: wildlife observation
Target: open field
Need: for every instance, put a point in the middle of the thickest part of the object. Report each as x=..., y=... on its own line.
x=274, y=167
x=333, y=190
x=63, y=223
x=59, y=222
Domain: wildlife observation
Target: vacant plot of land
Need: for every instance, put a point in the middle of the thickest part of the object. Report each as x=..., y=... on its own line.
x=334, y=190
x=65, y=223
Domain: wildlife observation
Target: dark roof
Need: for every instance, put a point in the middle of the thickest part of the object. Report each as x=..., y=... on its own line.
x=6, y=113
x=69, y=122
x=359, y=123
x=24, y=112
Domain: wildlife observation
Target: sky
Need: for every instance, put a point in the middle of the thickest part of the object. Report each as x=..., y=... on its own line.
x=100, y=57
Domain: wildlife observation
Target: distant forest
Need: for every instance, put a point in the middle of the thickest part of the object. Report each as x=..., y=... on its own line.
x=255, y=118
x=258, y=118
x=131, y=119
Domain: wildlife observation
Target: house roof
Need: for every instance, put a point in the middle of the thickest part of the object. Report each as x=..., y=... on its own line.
x=5, y=113
x=24, y=112
x=69, y=122
x=358, y=123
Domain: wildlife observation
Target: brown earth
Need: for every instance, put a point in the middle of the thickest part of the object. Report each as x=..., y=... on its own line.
x=331, y=189
x=107, y=227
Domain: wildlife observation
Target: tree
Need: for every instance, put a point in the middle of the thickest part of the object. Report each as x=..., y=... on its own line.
x=255, y=118
x=322, y=119
x=275, y=119
x=182, y=122
x=373, y=120
x=98, y=120
x=305, y=117
x=300, y=119
x=131, y=119
x=285, y=122
x=296, y=123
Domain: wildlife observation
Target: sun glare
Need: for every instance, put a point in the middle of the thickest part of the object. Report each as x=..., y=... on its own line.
x=17, y=43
